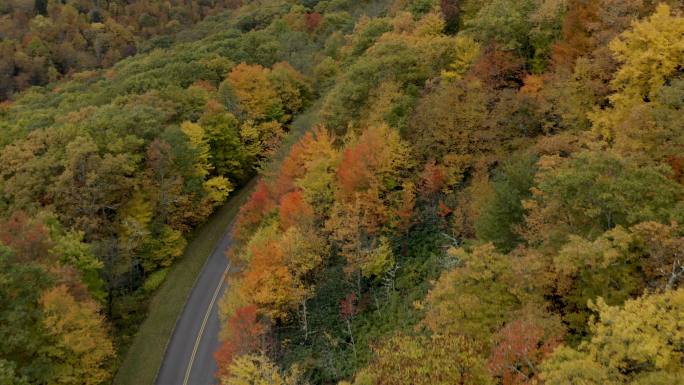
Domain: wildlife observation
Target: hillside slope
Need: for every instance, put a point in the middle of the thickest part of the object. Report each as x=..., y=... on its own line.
x=484, y=192
x=494, y=195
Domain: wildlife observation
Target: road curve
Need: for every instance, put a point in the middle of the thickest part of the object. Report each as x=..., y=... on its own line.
x=189, y=356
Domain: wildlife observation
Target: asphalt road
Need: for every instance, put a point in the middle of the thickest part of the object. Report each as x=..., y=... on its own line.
x=189, y=357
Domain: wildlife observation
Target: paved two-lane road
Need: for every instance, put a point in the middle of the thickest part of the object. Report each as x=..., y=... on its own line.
x=189, y=357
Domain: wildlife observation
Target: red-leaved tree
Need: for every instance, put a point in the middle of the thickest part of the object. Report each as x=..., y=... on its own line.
x=522, y=345
x=251, y=213
x=245, y=334
x=294, y=210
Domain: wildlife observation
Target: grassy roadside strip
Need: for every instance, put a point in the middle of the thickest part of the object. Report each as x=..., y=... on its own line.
x=145, y=354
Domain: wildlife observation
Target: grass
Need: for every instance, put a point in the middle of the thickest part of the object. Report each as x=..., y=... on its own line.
x=144, y=356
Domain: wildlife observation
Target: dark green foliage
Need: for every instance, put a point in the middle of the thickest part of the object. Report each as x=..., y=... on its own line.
x=595, y=191
x=503, y=212
x=23, y=336
x=420, y=7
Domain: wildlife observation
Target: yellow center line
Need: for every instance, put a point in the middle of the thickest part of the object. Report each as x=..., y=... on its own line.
x=204, y=324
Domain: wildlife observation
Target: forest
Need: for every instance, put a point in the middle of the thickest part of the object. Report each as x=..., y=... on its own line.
x=481, y=192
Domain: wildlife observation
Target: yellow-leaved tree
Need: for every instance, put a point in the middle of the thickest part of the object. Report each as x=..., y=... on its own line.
x=255, y=369
x=83, y=347
x=641, y=342
x=645, y=114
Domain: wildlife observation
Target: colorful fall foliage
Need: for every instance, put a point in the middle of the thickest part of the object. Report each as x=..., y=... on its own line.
x=449, y=192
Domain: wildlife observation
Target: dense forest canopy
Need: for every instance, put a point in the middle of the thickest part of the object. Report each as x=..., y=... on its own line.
x=480, y=192
x=44, y=40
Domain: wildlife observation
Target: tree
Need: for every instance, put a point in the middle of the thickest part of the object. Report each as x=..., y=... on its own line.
x=638, y=343
x=319, y=161
x=91, y=185
x=293, y=89
x=253, y=369
x=451, y=120
x=259, y=205
x=226, y=153
x=664, y=245
x=522, y=345
x=503, y=212
x=83, y=349
x=376, y=159
x=256, y=95
x=8, y=375
x=474, y=299
x=648, y=87
x=294, y=210
x=348, y=310
x=356, y=227
x=450, y=13
x=605, y=267
x=278, y=264
x=309, y=166
x=243, y=333
x=594, y=191
x=71, y=250
x=162, y=247
x=650, y=53
x=27, y=173
x=368, y=198
x=29, y=239
x=164, y=177
x=23, y=334
x=526, y=27
x=199, y=144
x=40, y=7
x=504, y=22
x=418, y=360
x=467, y=51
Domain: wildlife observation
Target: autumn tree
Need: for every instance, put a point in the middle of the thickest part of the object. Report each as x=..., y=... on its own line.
x=522, y=345
x=278, y=265
x=259, y=205
x=310, y=166
x=450, y=12
x=226, y=154
x=256, y=96
x=438, y=131
x=83, y=348
x=638, y=343
x=348, y=310
x=370, y=169
x=91, y=184
x=592, y=192
x=294, y=210
x=434, y=360
x=254, y=369
x=663, y=244
x=28, y=238
x=293, y=89
x=605, y=267
x=473, y=299
x=243, y=333
x=648, y=88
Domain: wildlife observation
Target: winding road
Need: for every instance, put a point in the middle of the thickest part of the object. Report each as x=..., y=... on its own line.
x=189, y=357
